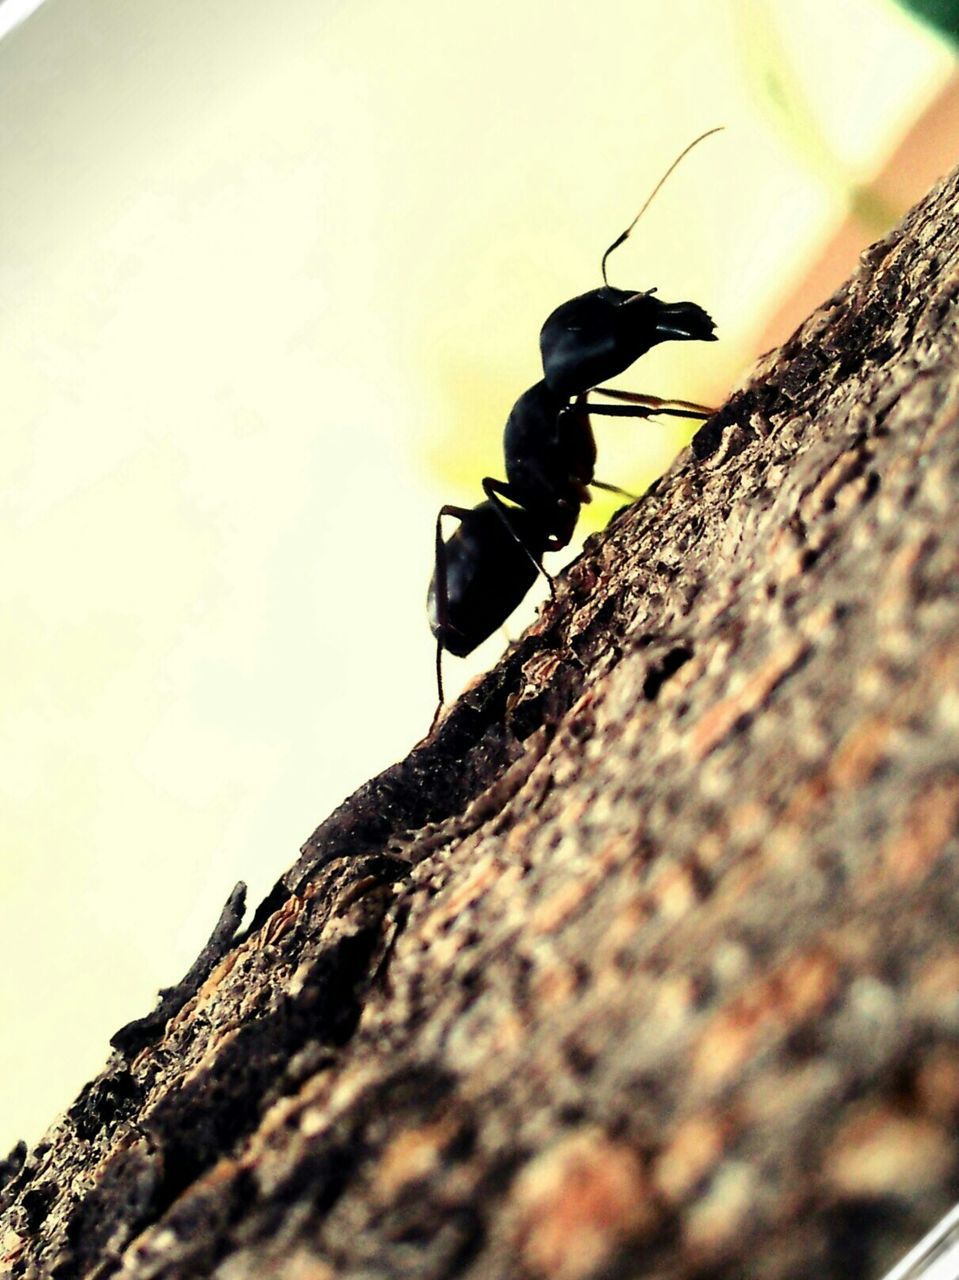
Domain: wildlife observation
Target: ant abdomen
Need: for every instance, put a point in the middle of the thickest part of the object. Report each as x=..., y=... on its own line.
x=482, y=574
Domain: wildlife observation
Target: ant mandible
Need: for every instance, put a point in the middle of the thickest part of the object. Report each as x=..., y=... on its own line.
x=488, y=564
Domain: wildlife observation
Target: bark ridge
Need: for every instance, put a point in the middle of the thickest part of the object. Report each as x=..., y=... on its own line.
x=647, y=962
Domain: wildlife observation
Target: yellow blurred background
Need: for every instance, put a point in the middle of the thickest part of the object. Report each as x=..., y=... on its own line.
x=273, y=277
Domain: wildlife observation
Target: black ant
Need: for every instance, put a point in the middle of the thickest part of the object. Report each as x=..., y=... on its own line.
x=488, y=564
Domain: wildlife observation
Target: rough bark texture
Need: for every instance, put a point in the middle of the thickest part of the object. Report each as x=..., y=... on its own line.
x=647, y=963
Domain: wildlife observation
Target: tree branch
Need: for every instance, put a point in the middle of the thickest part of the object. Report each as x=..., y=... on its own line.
x=646, y=963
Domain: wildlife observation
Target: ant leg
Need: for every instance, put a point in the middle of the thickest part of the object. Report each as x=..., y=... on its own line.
x=496, y=491
x=442, y=597
x=439, y=566
x=640, y=411
x=652, y=404
x=614, y=488
x=439, y=686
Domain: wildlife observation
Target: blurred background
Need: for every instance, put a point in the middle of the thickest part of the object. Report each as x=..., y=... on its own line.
x=273, y=277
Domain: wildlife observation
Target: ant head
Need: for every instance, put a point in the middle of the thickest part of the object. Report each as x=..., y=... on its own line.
x=649, y=199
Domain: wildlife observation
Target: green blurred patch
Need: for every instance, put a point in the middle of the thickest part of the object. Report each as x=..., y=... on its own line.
x=465, y=438
x=465, y=443
x=941, y=15
x=787, y=90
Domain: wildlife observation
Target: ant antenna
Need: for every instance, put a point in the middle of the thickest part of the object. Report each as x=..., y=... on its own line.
x=649, y=199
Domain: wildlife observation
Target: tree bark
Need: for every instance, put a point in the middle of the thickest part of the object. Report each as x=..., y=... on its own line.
x=647, y=961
